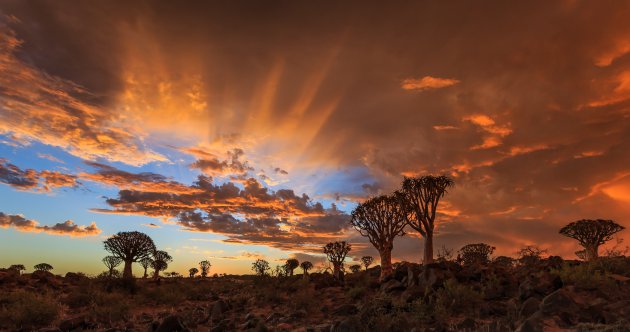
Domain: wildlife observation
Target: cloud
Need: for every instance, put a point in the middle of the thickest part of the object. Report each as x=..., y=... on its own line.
x=42, y=107
x=427, y=83
x=67, y=227
x=146, y=181
x=231, y=167
x=30, y=179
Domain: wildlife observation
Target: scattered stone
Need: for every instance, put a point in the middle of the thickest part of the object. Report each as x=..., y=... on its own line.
x=392, y=286
x=529, y=307
x=345, y=310
x=558, y=302
x=172, y=323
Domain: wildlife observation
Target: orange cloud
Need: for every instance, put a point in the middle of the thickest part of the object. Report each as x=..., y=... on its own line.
x=427, y=82
x=64, y=228
x=45, y=108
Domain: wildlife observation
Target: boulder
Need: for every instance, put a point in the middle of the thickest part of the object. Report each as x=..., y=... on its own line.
x=532, y=324
x=350, y=324
x=529, y=307
x=345, y=310
x=218, y=309
x=557, y=302
x=392, y=285
x=433, y=276
x=72, y=324
x=172, y=323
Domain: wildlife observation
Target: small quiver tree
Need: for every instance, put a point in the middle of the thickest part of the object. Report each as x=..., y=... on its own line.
x=591, y=234
x=476, y=253
x=336, y=253
x=306, y=265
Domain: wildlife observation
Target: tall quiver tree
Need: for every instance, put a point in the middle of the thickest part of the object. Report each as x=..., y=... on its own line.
x=205, y=267
x=291, y=265
x=381, y=219
x=111, y=262
x=130, y=247
x=336, y=253
x=421, y=197
x=160, y=262
x=591, y=234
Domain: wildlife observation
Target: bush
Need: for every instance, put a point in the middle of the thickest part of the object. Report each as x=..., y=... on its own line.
x=585, y=276
x=110, y=307
x=24, y=310
x=457, y=298
x=476, y=253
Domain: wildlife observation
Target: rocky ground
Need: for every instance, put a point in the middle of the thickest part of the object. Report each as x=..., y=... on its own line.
x=544, y=295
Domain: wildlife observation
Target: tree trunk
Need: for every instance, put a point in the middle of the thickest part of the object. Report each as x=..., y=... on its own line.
x=591, y=253
x=127, y=270
x=386, y=263
x=305, y=275
x=428, y=249
x=145, y=273
x=337, y=270
x=156, y=275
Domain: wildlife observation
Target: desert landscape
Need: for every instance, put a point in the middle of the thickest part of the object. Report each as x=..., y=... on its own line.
x=314, y=166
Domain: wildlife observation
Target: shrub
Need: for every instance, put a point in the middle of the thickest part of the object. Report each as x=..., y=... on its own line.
x=24, y=310
x=457, y=298
x=110, y=307
x=476, y=253
x=585, y=276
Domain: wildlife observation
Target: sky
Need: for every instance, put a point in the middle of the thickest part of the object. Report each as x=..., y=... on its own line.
x=232, y=131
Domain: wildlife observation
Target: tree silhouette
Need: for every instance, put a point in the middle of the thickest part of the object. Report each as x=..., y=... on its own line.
x=291, y=265
x=530, y=255
x=421, y=196
x=306, y=265
x=476, y=253
x=43, y=267
x=145, y=263
x=355, y=268
x=336, y=253
x=17, y=267
x=260, y=267
x=160, y=262
x=111, y=262
x=192, y=271
x=591, y=234
x=130, y=247
x=381, y=219
x=367, y=261
x=205, y=267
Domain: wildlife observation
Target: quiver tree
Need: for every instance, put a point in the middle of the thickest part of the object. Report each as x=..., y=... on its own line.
x=260, y=267
x=381, y=219
x=160, y=262
x=205, y=268
x=421, y=197
x=591, y=234
x=17, y=267
x=130, y=247
x=336, y=253
x=291, y=265
x=530, y=255
x=145, y=263
x=476, y=253
x=306, y=265
x=355, y=268
x=43, y=267
x=111, y=262
x=367, y=261
x=192, y=272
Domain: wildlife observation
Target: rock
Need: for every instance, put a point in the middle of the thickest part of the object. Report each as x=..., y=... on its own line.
x=412, y=293
x=299, y=314
x=345, y=310
x=558, y=302
x=9, y=276
x=72, y=324
x=274, y=317
x=529, y=307
x=75, y=277
x=42, y=275
x=467, y=324
x=172, y=323
x=319, y=328
x=433, y=276
x=532, y=324
x=218, y=309
x=350, y=324
x=392, y=285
